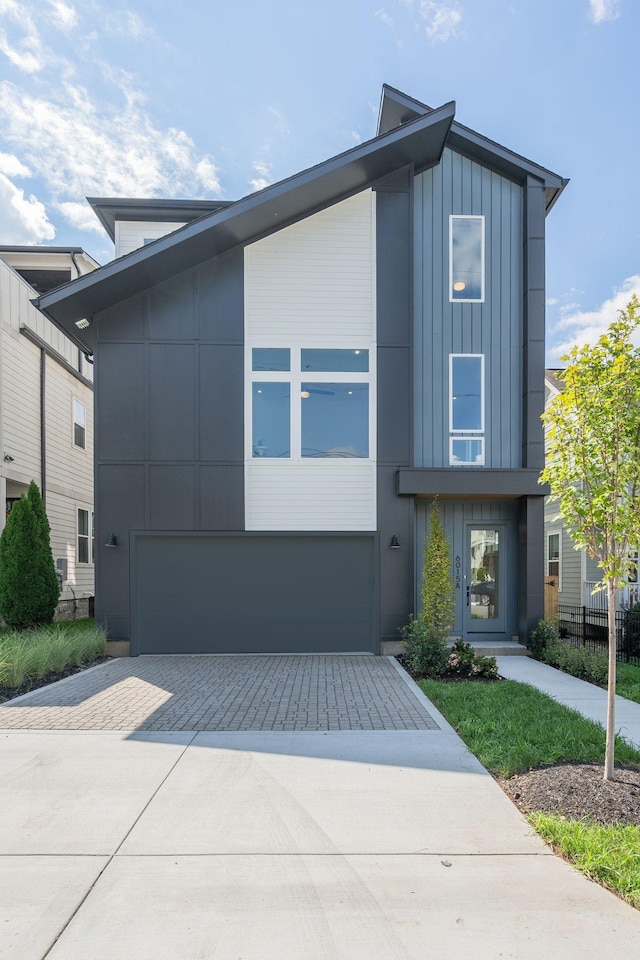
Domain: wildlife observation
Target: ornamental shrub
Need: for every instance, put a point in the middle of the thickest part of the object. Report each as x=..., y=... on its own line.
x=544, y=633
x=29, y=588
x=437, y=591
x=464, y=662
x=425, y=650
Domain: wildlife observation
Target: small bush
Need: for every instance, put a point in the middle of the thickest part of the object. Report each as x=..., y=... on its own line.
x=425, y=650
x=463, y=662
x=544, y=633
x=578, y=661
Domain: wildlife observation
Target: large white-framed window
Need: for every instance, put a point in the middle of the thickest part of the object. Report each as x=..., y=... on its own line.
x=554, y=555
x=307, y=403
x=85, y=543
x=466, y=409
x=79, y=424
x=466, y=258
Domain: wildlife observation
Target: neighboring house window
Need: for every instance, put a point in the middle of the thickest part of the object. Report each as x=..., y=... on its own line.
x=466, y=259
x=554, y=552
x=633, y=572
x=79, y=424
x=83, y=553
x=310, y=403
x=466, y=409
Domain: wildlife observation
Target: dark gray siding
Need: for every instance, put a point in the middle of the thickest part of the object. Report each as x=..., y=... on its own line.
x=169, y=401
x=395, y=402
x=458, y=185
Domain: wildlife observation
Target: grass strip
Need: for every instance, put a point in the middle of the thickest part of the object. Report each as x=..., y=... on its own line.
x=609, y=855
x=512, y=727
x=628, y=681
x=34, y=653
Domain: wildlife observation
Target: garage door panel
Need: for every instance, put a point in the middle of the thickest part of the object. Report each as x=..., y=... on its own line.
x=252, y=594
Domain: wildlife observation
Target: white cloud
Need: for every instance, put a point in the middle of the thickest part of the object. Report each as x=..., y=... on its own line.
x=578, y=326
x=382, y=14
x=601, y=10
x=81, y=216
x=264, y=179
x=281, y=124
x=63, y=14
x=12, y=167
x=25, y=52
x=79, y=148
x=23, y=219
x=440, y=19
x=127, y=24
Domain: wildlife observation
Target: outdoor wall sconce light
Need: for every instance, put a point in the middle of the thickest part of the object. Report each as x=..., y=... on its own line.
x=112, y=540
x=395, y=543
x=8, y=458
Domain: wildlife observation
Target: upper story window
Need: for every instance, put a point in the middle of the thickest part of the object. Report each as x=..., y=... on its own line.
x=310, y=403
x=466, y=259
x=79, y=424
x=466, y=408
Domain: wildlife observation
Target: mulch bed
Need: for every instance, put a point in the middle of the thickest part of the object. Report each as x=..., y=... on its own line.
x=576, y=791
x=33, y=683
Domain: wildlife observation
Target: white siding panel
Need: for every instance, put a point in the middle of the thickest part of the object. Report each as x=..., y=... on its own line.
x=62, y=514
x=312, y=284
x=131, y=234
x=21, y=407
x=314, y=278
x=317, y=495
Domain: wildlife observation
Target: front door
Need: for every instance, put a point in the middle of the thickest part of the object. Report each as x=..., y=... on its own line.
x=485, y=575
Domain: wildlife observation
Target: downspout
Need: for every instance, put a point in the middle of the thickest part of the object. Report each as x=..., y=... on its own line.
x=43, y=429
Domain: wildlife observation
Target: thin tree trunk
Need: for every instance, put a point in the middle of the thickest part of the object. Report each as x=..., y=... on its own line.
x=611, y=686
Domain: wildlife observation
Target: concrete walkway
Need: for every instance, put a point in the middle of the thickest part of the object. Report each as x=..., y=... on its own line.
x=355, y=844
x=587, y=699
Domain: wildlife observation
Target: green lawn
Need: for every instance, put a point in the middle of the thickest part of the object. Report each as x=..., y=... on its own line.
x=512, y=727
x=34, y=653
x=628, y=681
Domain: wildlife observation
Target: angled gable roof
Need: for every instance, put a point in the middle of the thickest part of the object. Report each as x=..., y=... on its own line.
x=419, y=142
x=397, y=108
x=110, y=209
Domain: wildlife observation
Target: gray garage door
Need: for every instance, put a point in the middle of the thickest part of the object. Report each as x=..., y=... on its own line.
x=253, y=594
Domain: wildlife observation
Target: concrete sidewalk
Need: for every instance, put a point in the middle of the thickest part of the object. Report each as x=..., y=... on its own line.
x=587, y=699
x=391, y=844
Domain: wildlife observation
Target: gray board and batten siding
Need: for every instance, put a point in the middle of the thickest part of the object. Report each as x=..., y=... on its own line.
x=459, y=185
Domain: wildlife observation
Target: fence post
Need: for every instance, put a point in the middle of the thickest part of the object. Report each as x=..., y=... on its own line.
x=584, y=626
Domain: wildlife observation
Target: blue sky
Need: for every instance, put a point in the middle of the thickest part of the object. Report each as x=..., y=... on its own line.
x=213, y=99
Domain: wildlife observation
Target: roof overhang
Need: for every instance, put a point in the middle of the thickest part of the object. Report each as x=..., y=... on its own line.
x=419, y=143
x=110, y=209
x=397, y=108
x=470, y=482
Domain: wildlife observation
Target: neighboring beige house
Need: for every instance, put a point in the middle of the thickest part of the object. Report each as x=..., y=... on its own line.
x=570, y=574
x=46, y=413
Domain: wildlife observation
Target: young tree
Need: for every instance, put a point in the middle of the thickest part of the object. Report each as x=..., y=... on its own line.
x=437, y=590
x=28, y=584
x=593, y=464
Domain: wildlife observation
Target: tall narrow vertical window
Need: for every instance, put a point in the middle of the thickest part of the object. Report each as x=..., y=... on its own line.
x=466, y=409
x=554, y=554
x=83, y=537
x=466, y=259
x=79, y=424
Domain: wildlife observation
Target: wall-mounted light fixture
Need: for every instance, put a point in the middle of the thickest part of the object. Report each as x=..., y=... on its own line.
x=8, y=458
x=112, y=540
x=395, y=543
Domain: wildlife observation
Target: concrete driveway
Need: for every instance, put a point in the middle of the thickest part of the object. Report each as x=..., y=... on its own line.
x=387, y=841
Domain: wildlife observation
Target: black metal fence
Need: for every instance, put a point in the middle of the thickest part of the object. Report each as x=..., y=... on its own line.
x=588, y=627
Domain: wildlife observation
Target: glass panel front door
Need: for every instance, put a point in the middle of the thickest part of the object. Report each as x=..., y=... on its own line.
x=485, y=574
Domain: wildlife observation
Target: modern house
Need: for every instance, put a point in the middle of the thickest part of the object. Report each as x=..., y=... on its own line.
x=572, y=575
x=46, y=412
x=284, y=383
